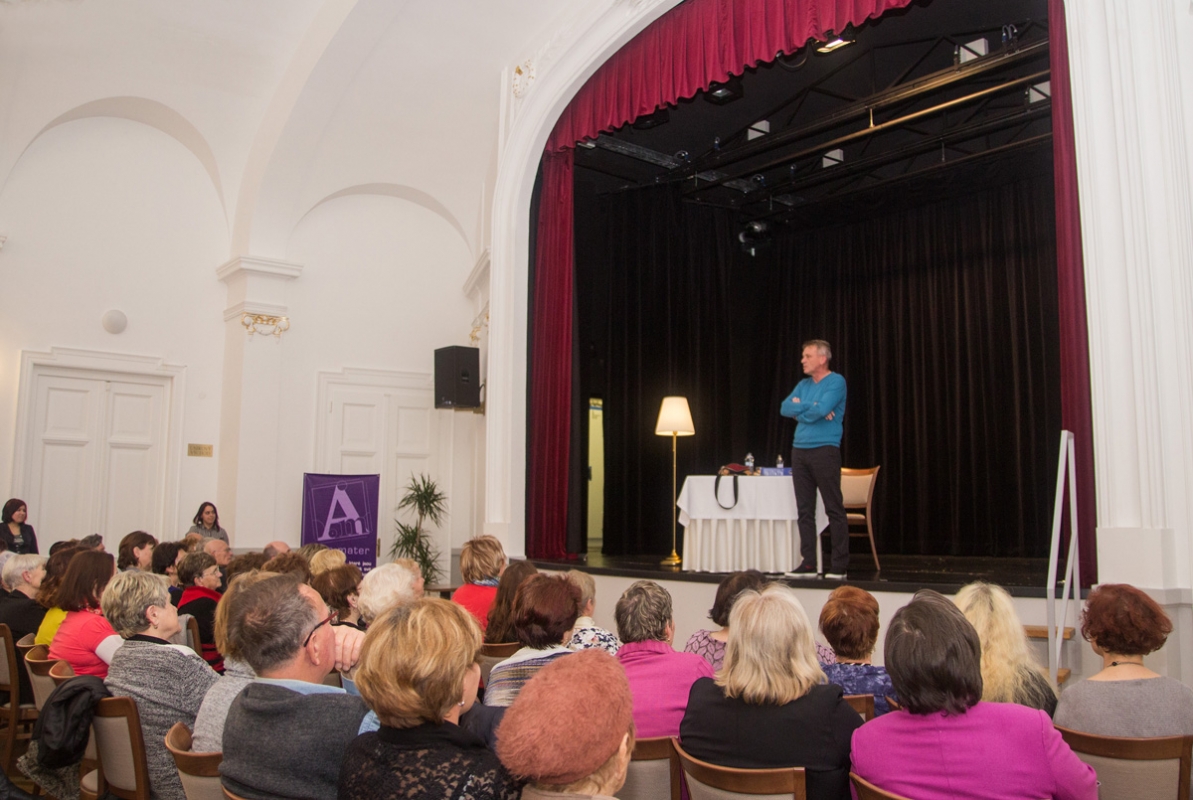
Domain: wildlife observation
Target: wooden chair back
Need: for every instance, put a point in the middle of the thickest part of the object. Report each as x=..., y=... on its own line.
x=857, y=493
x=120, y=745
x=38, y=664
x=26, y=643
x=648, y=777
x=192, y=634
x=19, y=713
x=61, y=672
x=863, y=704
x=199, y=772
x=494, y=654
x=1139, y=769
x=868, y=791
x=706, y=781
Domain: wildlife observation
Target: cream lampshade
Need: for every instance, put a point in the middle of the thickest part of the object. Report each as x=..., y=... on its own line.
x=675, y=419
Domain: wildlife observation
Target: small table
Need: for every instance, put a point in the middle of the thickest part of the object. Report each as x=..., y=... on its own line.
x=759, y=532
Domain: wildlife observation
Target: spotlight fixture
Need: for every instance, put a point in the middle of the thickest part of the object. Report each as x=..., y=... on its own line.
x=648, y=121
x=754, y=236
x=722, y=93
x=845, y=39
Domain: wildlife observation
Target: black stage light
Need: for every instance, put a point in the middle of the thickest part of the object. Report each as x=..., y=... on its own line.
x=722, y=93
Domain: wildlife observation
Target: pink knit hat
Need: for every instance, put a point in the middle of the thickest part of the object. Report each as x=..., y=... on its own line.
x=568, y=720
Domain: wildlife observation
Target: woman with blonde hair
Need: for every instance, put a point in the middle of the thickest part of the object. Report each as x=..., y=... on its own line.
x=1009, y=675
x=771, y=681
x=482, y=560
x=419, y=672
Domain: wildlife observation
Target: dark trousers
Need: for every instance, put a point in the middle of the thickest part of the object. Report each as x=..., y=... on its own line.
x=812, y=469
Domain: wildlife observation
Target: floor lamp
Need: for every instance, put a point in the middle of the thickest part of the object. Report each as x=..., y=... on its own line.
x=675, y=419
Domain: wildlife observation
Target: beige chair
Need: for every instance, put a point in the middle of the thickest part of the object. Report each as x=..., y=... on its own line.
x=16, y=715
x=862, y=704
x=333, y=679
x=868, y=791
x=857, y=494
x=199, y=772
x=38, y=663
x=61, y=672
x=709, y=782
x=648, y=776
x=1135, y=769
x=494, y=654
x=120, y=745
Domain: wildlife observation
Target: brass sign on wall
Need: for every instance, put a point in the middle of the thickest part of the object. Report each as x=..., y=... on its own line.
x=200, y=450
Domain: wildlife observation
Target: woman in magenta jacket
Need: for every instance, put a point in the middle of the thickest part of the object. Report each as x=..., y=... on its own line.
x=947, y=743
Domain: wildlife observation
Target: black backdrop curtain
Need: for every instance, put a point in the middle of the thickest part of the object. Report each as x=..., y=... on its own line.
x=943, y=319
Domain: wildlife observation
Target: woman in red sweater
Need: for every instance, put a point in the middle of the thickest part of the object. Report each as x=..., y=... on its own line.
x=85, y=640
x=199, y=576
x=482, y=560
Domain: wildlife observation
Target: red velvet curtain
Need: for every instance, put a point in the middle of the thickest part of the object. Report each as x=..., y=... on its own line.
x=1076, y=409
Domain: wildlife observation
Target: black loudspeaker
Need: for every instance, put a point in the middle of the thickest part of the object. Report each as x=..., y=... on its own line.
x=457, y=377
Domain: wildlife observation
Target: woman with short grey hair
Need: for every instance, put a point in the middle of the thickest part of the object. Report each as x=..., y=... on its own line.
x=167, y=681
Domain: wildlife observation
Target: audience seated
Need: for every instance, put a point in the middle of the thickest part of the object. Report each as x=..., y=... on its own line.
x=545, y=610
x=245, y=562
x=55, y=570
x=327, y=559
x=219, y=550
x=1009, y=674
x=4, y=556
x=1123, y=624
x=85, y=639
x=539, y=739
x=501, y=615
x=586, y=633
x=309, y=550
x=387, y=586
x=771, y=682
x=200, y=578
x=849, y=621
x=482, y=560
x=23, y=575
x=167, y=681
x=340, y=589
x=660, y=678
x=419, y=673
x=947, y=742
x=166, y=557
x=293, y=562
x=286, y=732
x=136, y=551
x=208, y=731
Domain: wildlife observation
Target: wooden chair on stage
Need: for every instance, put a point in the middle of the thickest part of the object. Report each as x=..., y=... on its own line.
x=709, y=782
x=649, y=775
x=1135, y=769
x=863, y=704
x=868, y=791
x=857, y=494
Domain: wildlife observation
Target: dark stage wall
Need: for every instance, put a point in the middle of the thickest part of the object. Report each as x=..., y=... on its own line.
x=942, y=313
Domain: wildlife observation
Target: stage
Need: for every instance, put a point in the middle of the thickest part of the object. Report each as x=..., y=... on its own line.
x=1022, y=577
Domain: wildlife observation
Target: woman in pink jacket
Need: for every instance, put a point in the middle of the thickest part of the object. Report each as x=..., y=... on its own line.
x=946, y=743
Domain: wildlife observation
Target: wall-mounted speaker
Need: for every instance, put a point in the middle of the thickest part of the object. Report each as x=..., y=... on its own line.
x=457, y=377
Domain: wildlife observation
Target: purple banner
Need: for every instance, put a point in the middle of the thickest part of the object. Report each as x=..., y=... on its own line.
x=340, y=511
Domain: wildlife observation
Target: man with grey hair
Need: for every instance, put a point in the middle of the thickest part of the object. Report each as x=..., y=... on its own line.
x=818, y=406
x=286, y=732
x=22, y=575
x=660, y=678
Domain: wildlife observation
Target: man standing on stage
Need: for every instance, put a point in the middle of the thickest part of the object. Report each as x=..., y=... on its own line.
x=818, y=406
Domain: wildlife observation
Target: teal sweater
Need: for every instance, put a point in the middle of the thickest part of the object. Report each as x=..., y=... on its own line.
x=816, y=401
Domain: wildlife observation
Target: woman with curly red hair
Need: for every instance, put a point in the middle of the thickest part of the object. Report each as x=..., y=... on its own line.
x=1123, y=624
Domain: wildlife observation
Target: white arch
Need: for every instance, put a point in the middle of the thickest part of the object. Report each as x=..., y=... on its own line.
x=147, y=112
x=399, y=191
x=582, y=48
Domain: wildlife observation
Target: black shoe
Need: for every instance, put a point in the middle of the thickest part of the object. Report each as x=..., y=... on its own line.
x=802, y=571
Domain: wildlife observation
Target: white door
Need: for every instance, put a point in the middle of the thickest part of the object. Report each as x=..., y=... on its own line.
x=96, y=455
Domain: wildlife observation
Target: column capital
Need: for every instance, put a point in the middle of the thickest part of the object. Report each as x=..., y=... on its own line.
x=246, y=265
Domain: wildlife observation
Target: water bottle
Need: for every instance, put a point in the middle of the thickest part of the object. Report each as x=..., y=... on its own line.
x=779, y=462
x=750, y=462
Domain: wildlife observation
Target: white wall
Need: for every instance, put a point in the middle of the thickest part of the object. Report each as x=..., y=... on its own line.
x=107, y=213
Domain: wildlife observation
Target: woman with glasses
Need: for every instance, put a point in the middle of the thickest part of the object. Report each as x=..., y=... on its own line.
x=199, y=576
x=167, y=681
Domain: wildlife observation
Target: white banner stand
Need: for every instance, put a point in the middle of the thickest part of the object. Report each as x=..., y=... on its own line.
x=1072, y=585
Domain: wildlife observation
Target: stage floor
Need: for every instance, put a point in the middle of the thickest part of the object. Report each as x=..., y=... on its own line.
x=1022, y=577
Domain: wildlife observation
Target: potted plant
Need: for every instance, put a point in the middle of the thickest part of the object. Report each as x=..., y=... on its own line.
x=422, y=495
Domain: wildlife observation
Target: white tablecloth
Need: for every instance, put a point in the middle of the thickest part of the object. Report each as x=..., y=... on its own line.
x=760, y=532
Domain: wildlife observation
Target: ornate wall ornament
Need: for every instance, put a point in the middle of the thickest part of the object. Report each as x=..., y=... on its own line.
x=523, y=77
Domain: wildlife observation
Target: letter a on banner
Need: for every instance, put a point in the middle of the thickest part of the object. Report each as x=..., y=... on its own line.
x=340, y=501
x=340, y=511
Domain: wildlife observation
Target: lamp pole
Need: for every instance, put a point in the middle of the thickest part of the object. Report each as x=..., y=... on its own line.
x=673, y=560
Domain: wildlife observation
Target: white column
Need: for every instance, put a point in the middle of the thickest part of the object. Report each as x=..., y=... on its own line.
x=1137, y=226
x=248, y=448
